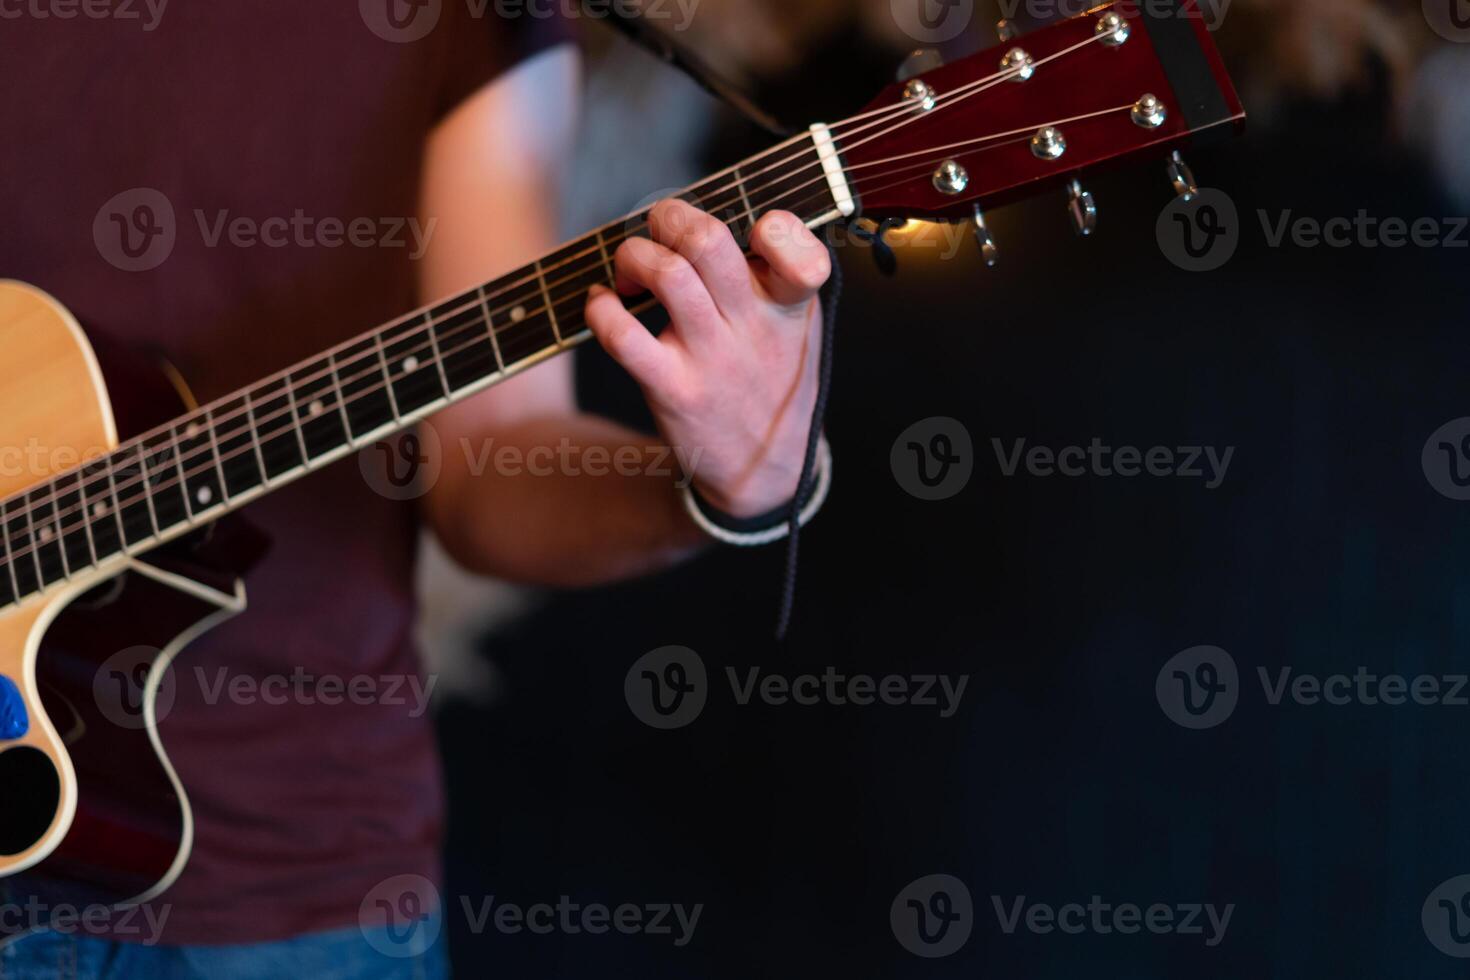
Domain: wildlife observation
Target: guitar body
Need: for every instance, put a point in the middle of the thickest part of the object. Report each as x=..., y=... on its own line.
x=95, y=816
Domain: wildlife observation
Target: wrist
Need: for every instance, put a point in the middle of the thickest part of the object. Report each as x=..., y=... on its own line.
x=767, y=526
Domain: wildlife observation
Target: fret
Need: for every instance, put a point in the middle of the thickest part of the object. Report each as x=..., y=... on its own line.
x=800, y=190
x=71, y=523
x=183, y=480
x=140, y=523
x=101, y=503
x=407, y=350
x=438, y=357
x=522, y=328
x=363, y=388
x=735, y=209
x=159, y=457
x=490, y=328
x=117, y=504
x=11, y=582
x=546, y=301
x=607, y=263
x=387, y=376
x=255, y=437
x=341, y=398
x=86, y=516
x=296, y=420
x=274, y=422
x=322, y=429
x=219, y=460
x=199, y=467
x=25, y=563
x=577, y=270
x=40, y=507
x=466, y=349
x=236, y=442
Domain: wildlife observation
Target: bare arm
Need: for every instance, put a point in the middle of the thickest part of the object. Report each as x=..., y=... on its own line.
x=731, y=382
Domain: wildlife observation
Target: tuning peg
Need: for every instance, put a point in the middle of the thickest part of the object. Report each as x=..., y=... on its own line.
x=1082, y=208
x=988, y=250
x=918, y=62
x=1181, y=177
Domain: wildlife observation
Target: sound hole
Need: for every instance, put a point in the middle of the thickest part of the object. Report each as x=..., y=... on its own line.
x=32, y=792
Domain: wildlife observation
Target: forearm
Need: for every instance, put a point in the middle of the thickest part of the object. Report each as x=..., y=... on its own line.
x=566, y=500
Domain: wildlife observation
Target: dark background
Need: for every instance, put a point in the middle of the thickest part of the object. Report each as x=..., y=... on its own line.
x=1060, y=777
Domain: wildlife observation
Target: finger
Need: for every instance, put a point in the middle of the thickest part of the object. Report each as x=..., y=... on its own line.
x=627, y=340
x=796, y=262
x=646, y=265
x=706, y=244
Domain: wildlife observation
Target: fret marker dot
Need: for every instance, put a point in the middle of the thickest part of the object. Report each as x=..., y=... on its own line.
x=315, y=408
x=410, y=364
x=518, y=314
x=191, y=431
x=47, y=534
x=99, y=509
x=204, y=495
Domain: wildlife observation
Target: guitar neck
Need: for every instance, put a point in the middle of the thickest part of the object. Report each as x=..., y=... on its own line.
x=162, y=484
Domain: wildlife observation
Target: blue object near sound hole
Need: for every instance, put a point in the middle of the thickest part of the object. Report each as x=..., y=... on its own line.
x=14, y=721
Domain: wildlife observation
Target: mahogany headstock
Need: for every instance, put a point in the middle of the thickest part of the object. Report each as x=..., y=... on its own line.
x=981, y=141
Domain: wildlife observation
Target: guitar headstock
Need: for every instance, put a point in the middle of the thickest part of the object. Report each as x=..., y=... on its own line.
x=1122, y=81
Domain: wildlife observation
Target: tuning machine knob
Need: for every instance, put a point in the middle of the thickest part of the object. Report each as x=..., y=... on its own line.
x=988, y=250
x=918, y=62
x=1082, y=207
x=1181, y=178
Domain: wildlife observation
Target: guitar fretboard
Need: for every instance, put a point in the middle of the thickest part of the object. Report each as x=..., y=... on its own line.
x=166, y=482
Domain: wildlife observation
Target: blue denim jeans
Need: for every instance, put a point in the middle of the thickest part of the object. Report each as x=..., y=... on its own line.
x=343, y=954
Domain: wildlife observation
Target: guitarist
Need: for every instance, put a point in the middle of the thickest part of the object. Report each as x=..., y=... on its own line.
x=307, y=113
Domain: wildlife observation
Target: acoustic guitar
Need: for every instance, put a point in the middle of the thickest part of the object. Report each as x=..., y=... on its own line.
x=119, y=542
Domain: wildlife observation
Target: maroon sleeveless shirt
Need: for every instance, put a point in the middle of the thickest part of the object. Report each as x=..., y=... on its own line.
x=302, y=119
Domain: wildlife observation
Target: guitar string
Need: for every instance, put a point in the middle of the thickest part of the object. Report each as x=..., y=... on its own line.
x=328, y=406
x=428, y=327
x=902, y=109
x=170, y=482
